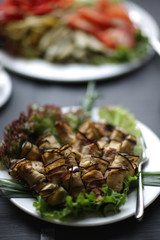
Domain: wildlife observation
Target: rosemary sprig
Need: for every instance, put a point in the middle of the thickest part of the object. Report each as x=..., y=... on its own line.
x=90, y=97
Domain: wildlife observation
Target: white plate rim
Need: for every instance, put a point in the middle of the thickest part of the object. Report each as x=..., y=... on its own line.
x=127, y=210
x=42, y=70
x=5, y=87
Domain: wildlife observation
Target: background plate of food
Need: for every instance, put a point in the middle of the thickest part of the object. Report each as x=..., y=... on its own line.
x=96, y=41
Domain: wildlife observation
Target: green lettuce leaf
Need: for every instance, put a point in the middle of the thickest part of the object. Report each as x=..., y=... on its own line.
x=84, y=204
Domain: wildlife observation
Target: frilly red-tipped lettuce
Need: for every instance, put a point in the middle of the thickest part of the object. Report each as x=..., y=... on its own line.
x=27, y=127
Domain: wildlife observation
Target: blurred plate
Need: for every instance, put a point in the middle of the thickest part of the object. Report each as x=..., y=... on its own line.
x=5, y=87
x=43, y=70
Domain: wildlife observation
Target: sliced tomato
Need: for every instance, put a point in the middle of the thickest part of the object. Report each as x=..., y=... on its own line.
x=9, y=13
x=115, y=37
x=41, y=9
x=112, y=15
x=94, y=16
x=117, y=11
x=11, y=10
x=102, y=5
x=77, y=22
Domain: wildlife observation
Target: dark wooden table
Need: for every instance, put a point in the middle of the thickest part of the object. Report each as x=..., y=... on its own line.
x=139, y=92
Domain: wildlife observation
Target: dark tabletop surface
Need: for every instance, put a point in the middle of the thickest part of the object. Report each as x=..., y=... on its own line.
x=139, y=92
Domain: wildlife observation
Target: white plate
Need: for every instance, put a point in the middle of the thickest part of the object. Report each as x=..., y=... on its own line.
x=128, y=210
x=5, y=87
x=42, y=70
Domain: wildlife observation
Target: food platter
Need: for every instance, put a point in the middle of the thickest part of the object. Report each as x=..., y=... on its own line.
x=127, y=210
x=42, y=70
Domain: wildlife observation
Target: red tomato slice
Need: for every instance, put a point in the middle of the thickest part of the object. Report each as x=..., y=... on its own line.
x=77, y=22
x=94, y=16
x=102, y=5
x=112, y=15
x=41, y=9
x=115, y=37
x=9, y=13
x=116, y=11
x=18, y=9
x=121, y=23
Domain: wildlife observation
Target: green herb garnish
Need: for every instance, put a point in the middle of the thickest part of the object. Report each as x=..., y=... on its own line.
x=90, y=97
x=123, y=54
x=83, y=205
x=12, y=188
x=151, y=179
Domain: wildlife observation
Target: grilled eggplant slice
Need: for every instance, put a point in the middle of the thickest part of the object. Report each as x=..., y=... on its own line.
x=65, y=132
x=120, y=168
x=47, y=140
x=128, y=144
x=33, y=173
x=30, y=151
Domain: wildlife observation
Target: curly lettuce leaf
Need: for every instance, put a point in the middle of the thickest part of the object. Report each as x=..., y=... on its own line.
x=84, y=204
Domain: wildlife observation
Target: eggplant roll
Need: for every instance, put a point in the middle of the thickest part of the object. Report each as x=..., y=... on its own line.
x=79, y=162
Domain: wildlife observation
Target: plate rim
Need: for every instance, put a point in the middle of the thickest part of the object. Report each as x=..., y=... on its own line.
x=6, y=87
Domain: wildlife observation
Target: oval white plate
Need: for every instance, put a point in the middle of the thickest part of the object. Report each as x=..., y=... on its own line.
x=127, y=210
x=42, y=70
x=5, y=87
